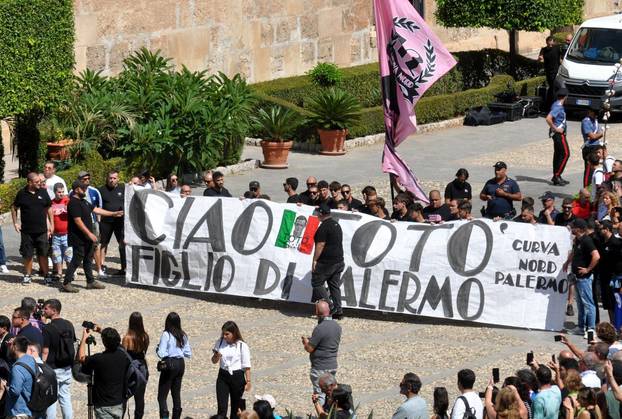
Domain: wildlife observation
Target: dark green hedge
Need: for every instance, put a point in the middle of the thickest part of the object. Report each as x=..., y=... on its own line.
x=36, y=53
x=94, y=164
x=429, y=108
x=475, y=69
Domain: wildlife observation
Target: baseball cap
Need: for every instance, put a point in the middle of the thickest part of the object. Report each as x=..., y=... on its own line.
x=500, y=165
x=579, y=223
x=253, y=184
x=547, y=195
x=323, y=209
x=83, y=173
x=268, y=398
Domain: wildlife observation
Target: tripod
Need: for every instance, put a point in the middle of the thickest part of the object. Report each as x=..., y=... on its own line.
x=89, y=385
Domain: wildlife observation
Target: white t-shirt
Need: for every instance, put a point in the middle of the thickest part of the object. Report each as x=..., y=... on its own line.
x=457, y=412
x=608, y=164
x=234, y=357
x=49, y=184
x=597, y=178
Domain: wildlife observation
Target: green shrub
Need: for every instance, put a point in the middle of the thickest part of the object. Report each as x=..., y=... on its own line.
x=478, y=67
x=325, y=75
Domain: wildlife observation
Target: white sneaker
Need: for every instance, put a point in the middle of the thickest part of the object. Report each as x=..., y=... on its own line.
x=26, y=280
x=4, y=269
x=102, y=274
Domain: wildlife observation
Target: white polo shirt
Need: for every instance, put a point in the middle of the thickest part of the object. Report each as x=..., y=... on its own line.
x=234, y=357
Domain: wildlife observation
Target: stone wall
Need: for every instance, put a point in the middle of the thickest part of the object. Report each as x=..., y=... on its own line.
x=262, y=39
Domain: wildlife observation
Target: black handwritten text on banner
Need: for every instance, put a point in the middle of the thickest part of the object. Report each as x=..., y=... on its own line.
x=502, y=273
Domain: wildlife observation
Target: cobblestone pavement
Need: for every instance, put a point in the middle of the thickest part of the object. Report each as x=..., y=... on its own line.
x=376, y=349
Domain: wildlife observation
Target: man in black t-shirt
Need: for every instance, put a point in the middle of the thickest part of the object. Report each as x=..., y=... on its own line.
x=400, y=207
x=109, y=369
x=437, y=211
x=565, y=217
x=610, y=272
x=346, y=192
x=219, y=187
x=37, y=225
x=57, y=334
x=113, y=200
x=325, y=195
x=550, y=56
x=583, y=260
x=306, y=196
x=81, y=237
x=459, y=189
x=328, y=261
x=289, y=187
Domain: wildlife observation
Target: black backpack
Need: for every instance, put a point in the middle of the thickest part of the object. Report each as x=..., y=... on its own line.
x=44, y=388
x=136, y=375
x=469, y=412
x=66, y=351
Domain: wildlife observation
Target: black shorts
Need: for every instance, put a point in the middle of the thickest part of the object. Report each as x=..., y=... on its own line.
x=107, y=229
x=30, y=242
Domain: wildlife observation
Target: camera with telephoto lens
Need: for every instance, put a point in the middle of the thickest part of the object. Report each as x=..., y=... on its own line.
x=38, y=313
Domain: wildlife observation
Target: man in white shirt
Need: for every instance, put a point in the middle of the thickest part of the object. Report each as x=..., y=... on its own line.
x=49, y=172
x=466, y=379
x=587, y=366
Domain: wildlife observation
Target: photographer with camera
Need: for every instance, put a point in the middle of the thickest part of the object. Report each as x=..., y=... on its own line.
x=172, y=350
x=58, y=352
x=108, y=369
x=81, y=237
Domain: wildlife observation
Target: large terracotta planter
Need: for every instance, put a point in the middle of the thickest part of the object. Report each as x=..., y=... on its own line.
x=59, y=150
x=275, y=154
x=333, y=141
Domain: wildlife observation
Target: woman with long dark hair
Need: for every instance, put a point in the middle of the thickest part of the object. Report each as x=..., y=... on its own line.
x=136, y=343
x=234, y=376
x=172, y=184
x=172, y=349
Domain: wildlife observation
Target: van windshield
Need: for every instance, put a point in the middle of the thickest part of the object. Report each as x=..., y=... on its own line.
x=599, y=45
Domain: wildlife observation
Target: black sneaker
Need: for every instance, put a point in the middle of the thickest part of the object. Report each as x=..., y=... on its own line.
x=569, y=310
x=47, y=280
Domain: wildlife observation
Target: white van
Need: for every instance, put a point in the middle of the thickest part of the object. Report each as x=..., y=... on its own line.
x=589, y=66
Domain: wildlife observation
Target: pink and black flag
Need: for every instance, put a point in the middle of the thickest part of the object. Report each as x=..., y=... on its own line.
x=412, y=59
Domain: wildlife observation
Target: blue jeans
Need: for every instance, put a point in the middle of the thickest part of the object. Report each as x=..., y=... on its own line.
x=585, y=303
x=63, y=376
x=61, y=251
x=2, y=252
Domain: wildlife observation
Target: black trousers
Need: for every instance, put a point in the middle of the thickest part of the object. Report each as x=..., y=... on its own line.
x=170, y=381
x=329, y=273
x=228, y=385
x=106, y=229
x=561, y=153
x=82, y=255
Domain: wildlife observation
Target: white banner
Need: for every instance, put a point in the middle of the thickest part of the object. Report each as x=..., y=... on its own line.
x=501, y=273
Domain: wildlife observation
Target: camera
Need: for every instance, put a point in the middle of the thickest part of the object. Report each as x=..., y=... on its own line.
x=38, y=313
x=88, y=325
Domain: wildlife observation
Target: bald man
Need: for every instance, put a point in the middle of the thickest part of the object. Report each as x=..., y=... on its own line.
x=305, y=197
x=322, y=346
x=588, y=365
x=35, y=226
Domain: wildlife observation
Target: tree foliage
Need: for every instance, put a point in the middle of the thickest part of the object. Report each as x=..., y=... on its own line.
x=524, y=15
x=36, y=53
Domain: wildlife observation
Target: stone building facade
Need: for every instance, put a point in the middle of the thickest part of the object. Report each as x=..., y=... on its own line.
x=262, y=39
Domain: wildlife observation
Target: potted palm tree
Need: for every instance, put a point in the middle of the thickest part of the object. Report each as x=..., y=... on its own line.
x=332, y=111
x=54, y=134
x=275, y=125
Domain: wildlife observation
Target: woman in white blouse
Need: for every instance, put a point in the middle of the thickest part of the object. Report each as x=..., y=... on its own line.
x=234, y=376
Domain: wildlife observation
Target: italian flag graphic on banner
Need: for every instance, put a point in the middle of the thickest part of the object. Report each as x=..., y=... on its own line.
x=297, y=231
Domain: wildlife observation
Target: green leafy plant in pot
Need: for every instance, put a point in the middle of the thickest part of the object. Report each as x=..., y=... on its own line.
x=332, y=111
x=276, y=125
